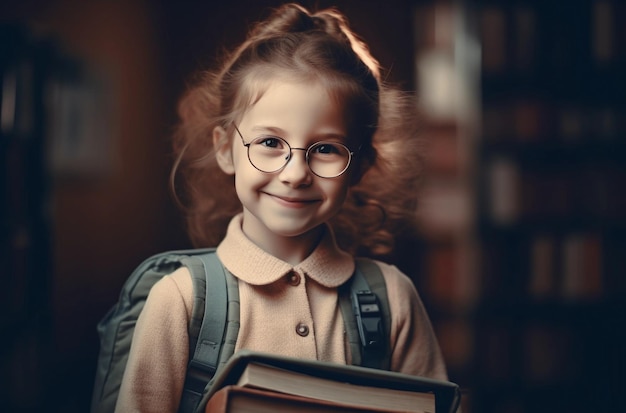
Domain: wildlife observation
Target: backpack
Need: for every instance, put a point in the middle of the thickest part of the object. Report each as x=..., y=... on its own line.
x=214, y=323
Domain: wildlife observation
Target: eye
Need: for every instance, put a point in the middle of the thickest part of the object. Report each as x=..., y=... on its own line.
x=327, y=148
x=270, y=142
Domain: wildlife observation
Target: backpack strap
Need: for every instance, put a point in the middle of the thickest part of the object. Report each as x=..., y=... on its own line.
x=196, y=268
x=365, y=309
x=207, y=310
x=232, y=321
x=213, y=328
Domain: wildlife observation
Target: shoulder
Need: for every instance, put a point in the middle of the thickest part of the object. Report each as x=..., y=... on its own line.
x=174, y=290
x=404, y=300
x=397, y=282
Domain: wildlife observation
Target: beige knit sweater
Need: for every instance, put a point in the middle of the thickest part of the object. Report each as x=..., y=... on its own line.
x=286, y=310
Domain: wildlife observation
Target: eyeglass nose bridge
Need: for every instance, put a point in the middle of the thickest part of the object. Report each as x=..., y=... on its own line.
x=290, y=155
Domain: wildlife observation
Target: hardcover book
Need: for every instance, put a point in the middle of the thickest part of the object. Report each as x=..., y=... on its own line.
x=251, y=377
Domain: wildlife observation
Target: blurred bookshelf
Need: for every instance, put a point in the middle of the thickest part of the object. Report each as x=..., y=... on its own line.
x=24, y=220
x=448, y=102
x=48, y=102
x=525, y=281
x=551, y=219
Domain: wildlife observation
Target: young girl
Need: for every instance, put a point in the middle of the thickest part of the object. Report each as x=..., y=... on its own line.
x=299, y=152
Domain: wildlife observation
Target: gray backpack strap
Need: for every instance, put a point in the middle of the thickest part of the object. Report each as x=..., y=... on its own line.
x=199, y=280
x=213, y=327
x=230, y=337
x=232, y=321
x=365, y=309
x=212, y=301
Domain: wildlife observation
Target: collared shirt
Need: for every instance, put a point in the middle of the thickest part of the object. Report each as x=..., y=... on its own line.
x=284, y=309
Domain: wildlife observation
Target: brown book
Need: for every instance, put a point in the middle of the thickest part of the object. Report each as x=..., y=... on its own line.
x=238, y=399
x=341, y=385
x=265, y=377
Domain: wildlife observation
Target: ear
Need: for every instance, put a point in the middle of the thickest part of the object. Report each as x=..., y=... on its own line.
x=223, y=150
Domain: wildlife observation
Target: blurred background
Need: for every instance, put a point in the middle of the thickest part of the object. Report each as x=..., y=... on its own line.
x=522, y=236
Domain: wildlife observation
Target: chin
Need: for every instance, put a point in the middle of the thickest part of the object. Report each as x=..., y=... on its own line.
x=285, y=231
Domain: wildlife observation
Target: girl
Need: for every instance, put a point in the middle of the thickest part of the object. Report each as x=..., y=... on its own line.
x=296, y=144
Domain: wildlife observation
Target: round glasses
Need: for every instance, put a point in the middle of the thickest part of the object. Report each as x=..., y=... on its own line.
x=271, y=154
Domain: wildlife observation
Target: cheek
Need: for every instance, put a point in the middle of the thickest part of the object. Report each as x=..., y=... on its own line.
x=337, y=191
x=243, y=168
x=247, y=178
x=240, y=157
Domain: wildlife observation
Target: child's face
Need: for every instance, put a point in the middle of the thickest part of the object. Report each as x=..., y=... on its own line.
x=292, y=201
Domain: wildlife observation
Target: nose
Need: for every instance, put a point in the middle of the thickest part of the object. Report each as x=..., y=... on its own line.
x=296, y=172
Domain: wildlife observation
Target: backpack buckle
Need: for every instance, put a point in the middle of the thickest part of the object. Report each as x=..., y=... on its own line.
x=369, y=319
x=198, y=375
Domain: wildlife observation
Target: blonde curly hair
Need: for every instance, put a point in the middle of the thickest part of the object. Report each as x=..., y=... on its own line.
x=306, y=46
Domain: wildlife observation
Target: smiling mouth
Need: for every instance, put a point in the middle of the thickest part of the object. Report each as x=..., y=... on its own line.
x=293, y=202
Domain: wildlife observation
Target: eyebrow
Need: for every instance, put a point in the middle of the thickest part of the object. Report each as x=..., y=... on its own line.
x=268, y=129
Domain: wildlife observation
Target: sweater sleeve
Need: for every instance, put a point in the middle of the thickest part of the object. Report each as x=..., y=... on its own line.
x=414, y=347
x=155, y=372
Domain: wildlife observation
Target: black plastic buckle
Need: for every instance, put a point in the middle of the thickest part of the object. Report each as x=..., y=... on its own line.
x=198, y=376
x=369, y=319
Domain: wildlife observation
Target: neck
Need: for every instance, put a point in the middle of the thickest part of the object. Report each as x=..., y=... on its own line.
x=291, y=249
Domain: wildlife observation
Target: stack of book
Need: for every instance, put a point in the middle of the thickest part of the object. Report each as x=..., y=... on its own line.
x=259, y=383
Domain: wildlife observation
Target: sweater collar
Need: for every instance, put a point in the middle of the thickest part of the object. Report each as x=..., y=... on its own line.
x=328, y=265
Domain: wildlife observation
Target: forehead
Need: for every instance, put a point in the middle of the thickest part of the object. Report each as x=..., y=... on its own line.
x=258, y=82
x=296, y=109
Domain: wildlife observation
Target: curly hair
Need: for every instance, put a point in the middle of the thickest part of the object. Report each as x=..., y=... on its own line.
x=294, y=43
